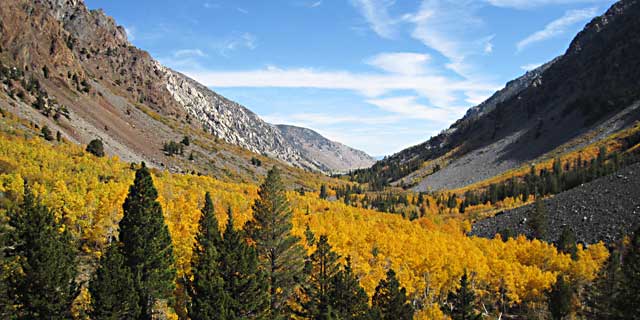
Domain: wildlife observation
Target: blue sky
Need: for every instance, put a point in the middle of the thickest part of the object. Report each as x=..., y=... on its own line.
x=378, y=75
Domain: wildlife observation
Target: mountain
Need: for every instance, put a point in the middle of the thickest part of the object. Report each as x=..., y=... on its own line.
x=578, y=98
x=330, y=155
x=90, y=82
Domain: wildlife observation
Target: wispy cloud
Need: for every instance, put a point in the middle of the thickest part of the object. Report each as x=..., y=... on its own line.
x=377, y=15
x=322, y=119
x=408, y=106
x=452, y=28
x=211, y=5
x=527, y=4
x=557, y=27
x=183, y=53
x=315, y=4
x=242, y=10
x=131, y=32
x=440, y=91
x=406, y=63
x=530, y=66
x=237, y=41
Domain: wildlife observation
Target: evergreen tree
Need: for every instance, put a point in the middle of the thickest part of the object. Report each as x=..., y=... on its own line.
x=281, y=256
x=244, y=284
x=320, y=269
x=603, y=294
x=46, y=286
x=113, y=294
x=146, y=243
x=323, y=192
x=567, y=242
x=538, y=219
x=629, y=300
x=96, y=148
x=462, y=301
x=347, y=297
x=390, y=300
x=208, y=298
x=560, y=299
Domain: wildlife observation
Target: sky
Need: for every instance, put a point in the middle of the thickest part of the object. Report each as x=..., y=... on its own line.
x=377, y=75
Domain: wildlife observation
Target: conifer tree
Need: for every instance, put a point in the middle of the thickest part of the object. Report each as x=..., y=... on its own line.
x=320, y=269
x=323, y=192
x=208, y=299
x=244, y=284
x=538, y=219
x=560, y=299
x=390, y=300
x=567, y=242
x=347, y=297
x=281, y=256
x=46, y=286
x=146, y=243
x=603, y=294
x=629, y=301
x=462, y=301
x=113, y=294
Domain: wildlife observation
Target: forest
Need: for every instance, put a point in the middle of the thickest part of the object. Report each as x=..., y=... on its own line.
x=206, y=245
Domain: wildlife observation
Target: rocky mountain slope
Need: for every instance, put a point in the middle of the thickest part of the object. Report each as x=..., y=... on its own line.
x=595, y=81
x=82, y=61
x=332, y=156
x=602, y=210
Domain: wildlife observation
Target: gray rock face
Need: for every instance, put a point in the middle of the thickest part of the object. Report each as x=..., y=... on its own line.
x=333, y=156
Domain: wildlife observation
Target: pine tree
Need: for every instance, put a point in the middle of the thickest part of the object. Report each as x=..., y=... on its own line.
x=538, y=219
x=323, y=192
x=244, y=284
x=113, y=294
x=560, y=299
x=567, y=242
x=390, y=300
x=146, y=243
x=629, y=300
x=320, y=269
x=462, y=301
x=208, y=298
x=46, y=286
x=281, y=256
x=347, y=297
x=603, y=294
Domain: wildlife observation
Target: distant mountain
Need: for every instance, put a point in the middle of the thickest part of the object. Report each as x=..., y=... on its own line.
x=577, y=98
x=330, y=155
x=119, y=93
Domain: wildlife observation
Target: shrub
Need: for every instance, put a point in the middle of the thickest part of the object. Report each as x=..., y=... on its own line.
x=96, y=148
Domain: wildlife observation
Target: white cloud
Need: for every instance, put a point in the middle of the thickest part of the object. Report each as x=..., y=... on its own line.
x=131, y=32
x=527, y=4
x=558, y=27
x=211, y=5
x=377, y=15
x=315, y=4
x=183, y=53
x=440, y=91
x=242, y=10
x=405, y=63
x=408, y=106
x=451, y=28
x=530, y=66
x=321, y=119
x=237, y=41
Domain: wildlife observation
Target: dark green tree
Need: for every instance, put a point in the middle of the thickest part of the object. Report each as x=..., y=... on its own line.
x=560, y=298
x=603, y=294
x=96, y=148
x=320, y=269
x=46, y=286
x=462, y=302
x=46, y=133
x=113, y=294
x=629, y=300
x=390, y=301
x=567, y=242
x=146, y=243
x=346, y=296
x=538, y=219
x=208, y=298
x=323, y=191
x=244, y=283
x=280, y=253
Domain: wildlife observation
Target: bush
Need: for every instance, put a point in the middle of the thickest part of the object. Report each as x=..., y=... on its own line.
x=96, y=148
x=46, y=133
